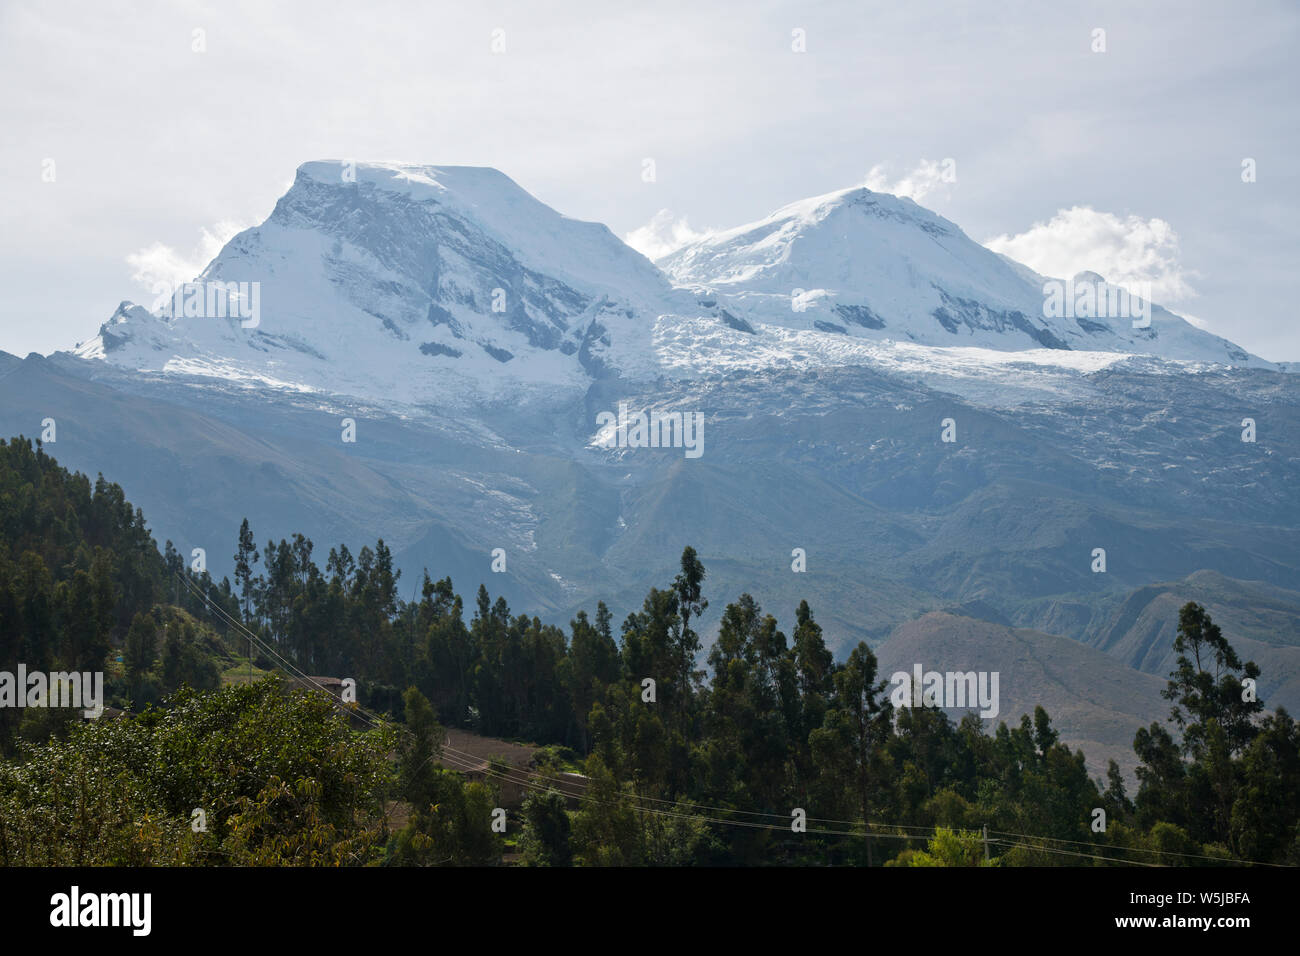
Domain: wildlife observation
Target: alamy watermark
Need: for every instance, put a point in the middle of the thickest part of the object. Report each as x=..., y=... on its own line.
x=1096, y=299
x=653, y=430
x=75, y=908
x=211, y=300
x=58, y=689
x=951, y=690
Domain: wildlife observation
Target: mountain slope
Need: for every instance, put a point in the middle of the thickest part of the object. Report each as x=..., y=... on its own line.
x=1257, y=618
x=1096, y=703
x=414, y=284
x=476, y=429
x=420, y=287
x=871, y=265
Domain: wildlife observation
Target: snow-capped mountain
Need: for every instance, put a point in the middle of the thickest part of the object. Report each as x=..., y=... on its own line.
x=388, y=294
x=872, y=265
x=404, y=283
x=435, y=285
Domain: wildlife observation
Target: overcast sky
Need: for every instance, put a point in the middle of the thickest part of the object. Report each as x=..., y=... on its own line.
x=1127, y=161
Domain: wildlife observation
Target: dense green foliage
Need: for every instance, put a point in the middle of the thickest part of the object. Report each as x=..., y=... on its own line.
x=279, y=778
x=683, y=766
x=82, y=584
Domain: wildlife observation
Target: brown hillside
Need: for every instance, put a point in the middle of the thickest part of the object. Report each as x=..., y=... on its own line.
x=1096, y=702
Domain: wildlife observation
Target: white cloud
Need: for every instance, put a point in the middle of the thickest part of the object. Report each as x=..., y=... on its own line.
x=159, y=263
x=1123, y=251
x=664, y=233
x=925, y=179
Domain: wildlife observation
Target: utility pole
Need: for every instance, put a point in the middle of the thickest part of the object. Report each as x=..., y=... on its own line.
x=986, y=842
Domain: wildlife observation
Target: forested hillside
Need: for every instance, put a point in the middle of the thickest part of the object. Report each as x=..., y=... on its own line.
x=774, y=753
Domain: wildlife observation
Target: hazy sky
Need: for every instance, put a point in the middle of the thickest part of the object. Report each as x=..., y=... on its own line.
x=1128, y=161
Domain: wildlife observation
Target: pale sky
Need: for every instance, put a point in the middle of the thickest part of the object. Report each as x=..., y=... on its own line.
x=1127, y=162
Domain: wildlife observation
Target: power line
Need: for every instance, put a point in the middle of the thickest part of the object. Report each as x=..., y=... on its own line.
x=627, y=798
x=373, y=719
x=1136, y=849
x=1090, y=856
x=537, y=775
x=549, y=784
x=631, y=801
x=756, y=813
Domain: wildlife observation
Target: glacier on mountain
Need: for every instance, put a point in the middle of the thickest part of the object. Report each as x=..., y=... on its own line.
x=413, y=287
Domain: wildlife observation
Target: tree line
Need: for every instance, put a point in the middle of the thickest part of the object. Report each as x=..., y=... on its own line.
x=770, y=724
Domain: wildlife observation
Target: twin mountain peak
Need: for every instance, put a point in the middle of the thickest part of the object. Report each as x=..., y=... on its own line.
x=412, y=284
